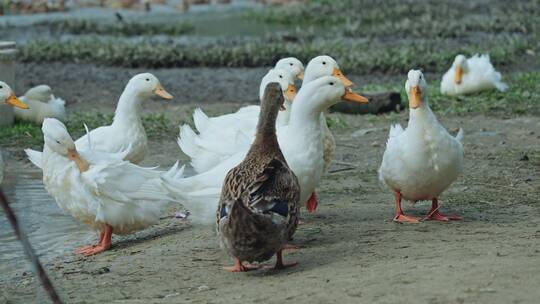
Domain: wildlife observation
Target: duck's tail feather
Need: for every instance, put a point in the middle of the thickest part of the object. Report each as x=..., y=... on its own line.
x=186, y=141
x=57, y=108
x=34, y=156
x=200, y=119
x=460, y=134
x=201, y=203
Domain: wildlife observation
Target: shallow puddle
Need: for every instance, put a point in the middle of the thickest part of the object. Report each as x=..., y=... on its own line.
x=51, y=232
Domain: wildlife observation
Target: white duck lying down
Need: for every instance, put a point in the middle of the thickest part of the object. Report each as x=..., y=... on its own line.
x=100, y=189
x=7, y=96
x=43, y=104
x=421, y=161
x=471, y=75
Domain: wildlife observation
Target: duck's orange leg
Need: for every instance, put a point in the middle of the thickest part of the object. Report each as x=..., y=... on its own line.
x=400, y=217
x=86, y=248
x=104, y=244
x=279, y=262
x=311, y=204
x=239, y=267
x=435, y=215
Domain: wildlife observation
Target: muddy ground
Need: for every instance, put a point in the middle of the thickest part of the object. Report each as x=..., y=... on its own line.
x=351, y=251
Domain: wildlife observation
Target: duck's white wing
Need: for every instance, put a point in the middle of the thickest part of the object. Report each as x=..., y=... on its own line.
x=102, y=140
x=200, y=193
x=219, y=137
x=35, y=157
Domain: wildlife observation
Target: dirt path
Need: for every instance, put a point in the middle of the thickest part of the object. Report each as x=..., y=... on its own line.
x=352, y=251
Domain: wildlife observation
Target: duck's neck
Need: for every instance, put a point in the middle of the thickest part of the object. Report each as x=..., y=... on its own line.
x=304, y=116
x=265, y=137
x=422, y=116
x=129, y=107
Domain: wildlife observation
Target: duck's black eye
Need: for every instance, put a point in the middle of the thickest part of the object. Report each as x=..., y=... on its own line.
x=290, y=64
x=324, y=62
x=58, y=142
x=332, y=83
x=147, y=79
x=280, y=76
x=1, y=87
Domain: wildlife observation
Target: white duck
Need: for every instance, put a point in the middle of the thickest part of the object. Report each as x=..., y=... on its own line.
x=421, y=161
x=213, y=145
x=301, y=142
x=127, y=130
x=100, y=189
x=471, y=75
x=7, y=96
x=42, y=104
x=222, y=136
x=293, y=65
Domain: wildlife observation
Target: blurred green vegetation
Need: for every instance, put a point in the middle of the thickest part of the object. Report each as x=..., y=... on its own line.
x=353, y=57
x=364, y=36
x=29, y=135
x=119, y=28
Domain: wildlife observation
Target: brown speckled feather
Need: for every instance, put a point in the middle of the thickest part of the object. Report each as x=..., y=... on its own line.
x=248, y=229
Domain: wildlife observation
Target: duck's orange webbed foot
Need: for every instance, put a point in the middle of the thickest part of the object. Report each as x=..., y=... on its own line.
x=311, y=204
x=435, y=215
x=103, y=245
x=402, y=218
x=239, y=267
x=279, y=262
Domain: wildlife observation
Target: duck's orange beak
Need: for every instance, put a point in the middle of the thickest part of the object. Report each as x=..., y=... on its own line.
x=291, y=92
x=352, y=96
x=415, y=97
x=16, y=102
x=339, y=75
x=73, y=155
x=301, y=75
x=160, y=91
x=458, y=75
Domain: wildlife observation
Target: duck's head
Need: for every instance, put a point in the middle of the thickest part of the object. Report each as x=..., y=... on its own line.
x=325, y=66
x=7, y=96
x=293, y=65
x=416, y=88
x=146, y=84
x=326, y=91
x=460, y=67
x=57, y=137
x=284, y=78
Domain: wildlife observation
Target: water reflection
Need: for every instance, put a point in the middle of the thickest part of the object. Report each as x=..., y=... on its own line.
x=51, y=232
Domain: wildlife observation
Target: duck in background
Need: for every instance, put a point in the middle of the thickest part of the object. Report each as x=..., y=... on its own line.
x=221, y=137
x=420, y=162
x=7, y=96
x=293, y=65
x=43, y=104
x=471, y=75
x=301, y=142
x=100, y=189
x=259, y=204
x=127, y=130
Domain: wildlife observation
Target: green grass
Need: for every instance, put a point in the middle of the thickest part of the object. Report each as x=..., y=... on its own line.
x=431, y=19
x=28, y=135
x=124, y=28
x=522, y=97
